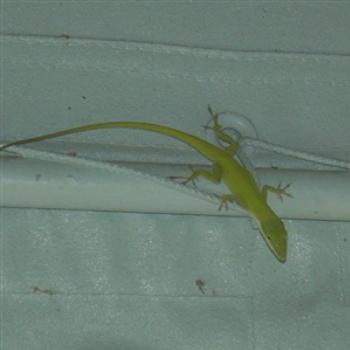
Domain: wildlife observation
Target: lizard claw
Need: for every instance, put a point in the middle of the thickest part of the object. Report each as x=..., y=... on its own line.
x=281, y=191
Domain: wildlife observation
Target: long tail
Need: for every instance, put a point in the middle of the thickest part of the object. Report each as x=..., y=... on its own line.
x=207, y=149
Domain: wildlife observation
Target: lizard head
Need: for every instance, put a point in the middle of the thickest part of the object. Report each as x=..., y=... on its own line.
x=276, y=237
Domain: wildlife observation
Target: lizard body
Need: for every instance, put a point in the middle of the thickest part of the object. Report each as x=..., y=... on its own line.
x=241, y=184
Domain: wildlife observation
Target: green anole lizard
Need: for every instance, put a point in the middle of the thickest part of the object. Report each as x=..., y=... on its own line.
x=242, y=186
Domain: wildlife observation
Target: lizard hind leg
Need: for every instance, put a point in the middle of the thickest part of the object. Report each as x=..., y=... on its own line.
x=213, y=176
x=225, y=199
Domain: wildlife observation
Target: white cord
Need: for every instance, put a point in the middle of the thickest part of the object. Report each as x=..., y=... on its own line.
x=294, y=153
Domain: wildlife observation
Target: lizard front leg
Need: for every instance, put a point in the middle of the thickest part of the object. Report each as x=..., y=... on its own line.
x=279, y=190
x=233, y=144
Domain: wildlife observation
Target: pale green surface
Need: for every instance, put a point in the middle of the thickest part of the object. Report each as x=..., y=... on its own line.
x=282, y=26
x=127, y=281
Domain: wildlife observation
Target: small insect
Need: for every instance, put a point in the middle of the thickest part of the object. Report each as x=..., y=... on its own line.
x=43, y=290
x=72, y=153
x=201, y=284
x=64, y=36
